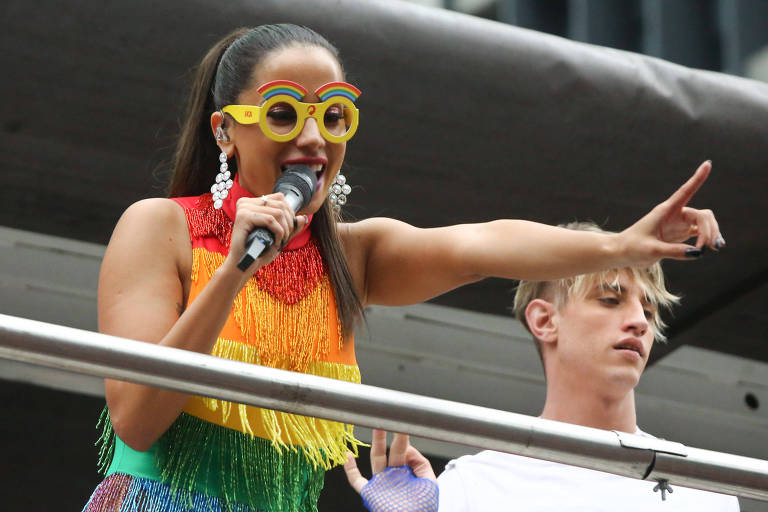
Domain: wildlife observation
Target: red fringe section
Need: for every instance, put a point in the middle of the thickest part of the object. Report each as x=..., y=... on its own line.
x=289, y=278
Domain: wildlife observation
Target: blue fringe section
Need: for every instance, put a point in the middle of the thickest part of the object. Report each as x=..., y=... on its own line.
x=123, y=493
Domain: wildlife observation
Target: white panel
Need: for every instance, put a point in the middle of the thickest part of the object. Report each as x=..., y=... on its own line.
x=48, y=278
x=757, y=65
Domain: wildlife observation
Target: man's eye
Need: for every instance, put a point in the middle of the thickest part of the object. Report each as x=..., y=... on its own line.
x=649, y=314
x=609, y=300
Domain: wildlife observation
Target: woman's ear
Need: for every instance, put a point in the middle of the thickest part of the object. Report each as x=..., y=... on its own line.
x=541, y=317
x=219, y=129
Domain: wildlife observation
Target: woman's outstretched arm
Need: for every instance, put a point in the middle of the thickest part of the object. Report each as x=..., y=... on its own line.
x=395, y=263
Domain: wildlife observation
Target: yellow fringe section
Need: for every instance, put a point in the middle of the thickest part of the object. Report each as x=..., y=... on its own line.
x=294, y=333
x=323, y=442
x=196, y=255
x=236, y=351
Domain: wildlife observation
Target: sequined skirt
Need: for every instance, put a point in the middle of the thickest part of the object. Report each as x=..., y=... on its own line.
x=124, y=493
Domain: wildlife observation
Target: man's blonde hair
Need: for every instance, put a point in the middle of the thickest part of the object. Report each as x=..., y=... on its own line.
x=650, y=280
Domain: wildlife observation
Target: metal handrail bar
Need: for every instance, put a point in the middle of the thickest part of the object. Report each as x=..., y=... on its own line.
x=180, y=370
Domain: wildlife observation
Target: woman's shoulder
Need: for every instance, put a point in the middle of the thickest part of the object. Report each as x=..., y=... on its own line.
x=151, y=234
x=157, y=211
x=151, y=220
x=156, y=205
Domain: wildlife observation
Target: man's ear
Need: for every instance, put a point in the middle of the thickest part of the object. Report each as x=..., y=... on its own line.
x=541, y=317
x=219, y=129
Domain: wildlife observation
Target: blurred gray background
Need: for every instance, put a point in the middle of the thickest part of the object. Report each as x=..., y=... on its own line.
x=471, y=110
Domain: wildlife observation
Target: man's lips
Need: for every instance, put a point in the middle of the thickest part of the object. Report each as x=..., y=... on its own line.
x=633, y=344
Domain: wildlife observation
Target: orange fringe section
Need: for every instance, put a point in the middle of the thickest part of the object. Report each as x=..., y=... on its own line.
x=288, y=336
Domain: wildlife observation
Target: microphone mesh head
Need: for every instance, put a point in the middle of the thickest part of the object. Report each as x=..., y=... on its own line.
x=299, y=179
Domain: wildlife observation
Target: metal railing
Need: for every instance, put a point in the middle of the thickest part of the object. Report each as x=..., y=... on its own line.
x=180, y=370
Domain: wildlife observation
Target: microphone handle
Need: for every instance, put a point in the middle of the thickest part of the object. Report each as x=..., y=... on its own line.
x=261, y=239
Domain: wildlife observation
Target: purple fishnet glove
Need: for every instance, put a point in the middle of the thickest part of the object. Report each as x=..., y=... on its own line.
x=396, y=489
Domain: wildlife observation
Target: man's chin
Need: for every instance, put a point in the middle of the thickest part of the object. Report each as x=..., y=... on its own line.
x=626, y=379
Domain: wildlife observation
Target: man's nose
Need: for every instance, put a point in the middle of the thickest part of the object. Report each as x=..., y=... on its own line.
x=636, y=319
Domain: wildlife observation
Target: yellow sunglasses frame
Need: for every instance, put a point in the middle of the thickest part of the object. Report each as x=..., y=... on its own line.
x=250, y=114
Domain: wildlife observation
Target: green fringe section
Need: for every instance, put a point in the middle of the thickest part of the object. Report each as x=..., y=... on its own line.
x=196, y=456
x=242, y=468
x=106, y=440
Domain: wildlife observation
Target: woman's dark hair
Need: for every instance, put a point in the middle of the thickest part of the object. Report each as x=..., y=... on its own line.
x=224, y=73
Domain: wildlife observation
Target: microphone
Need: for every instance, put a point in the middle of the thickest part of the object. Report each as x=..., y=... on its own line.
x=297, y=183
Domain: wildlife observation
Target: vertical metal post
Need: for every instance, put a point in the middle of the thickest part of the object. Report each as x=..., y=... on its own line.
x=743, y=29
x=550, y=16
x=605, y=22
x=681, y=32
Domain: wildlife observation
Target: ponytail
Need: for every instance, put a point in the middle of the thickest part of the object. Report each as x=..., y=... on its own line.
x=197, y=155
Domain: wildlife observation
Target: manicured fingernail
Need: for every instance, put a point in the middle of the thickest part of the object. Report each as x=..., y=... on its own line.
x=693, y=253
x=719, y=242
x=709, y=162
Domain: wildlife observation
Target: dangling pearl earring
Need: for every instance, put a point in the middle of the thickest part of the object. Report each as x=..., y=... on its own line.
x=220, y=189
x=338, y=192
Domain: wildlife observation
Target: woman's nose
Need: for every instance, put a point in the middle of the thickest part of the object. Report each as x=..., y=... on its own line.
x=310, y=134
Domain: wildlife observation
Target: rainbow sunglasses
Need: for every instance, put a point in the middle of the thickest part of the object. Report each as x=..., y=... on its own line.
x=282, y=115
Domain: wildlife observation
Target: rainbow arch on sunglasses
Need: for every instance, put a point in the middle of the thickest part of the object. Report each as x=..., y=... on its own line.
x=343, y=89
x=286, y=87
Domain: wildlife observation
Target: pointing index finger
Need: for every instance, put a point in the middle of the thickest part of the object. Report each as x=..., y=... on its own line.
x=684, y=194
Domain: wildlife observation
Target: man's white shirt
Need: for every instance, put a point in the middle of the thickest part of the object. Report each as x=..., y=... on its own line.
x=495, y=481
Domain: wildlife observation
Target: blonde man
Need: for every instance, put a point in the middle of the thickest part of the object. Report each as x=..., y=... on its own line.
x=594, y=333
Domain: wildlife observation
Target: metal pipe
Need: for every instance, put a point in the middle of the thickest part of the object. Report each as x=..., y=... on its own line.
x=180, y=370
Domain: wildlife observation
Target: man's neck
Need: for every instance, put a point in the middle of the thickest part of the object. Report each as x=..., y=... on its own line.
x=590, y=408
